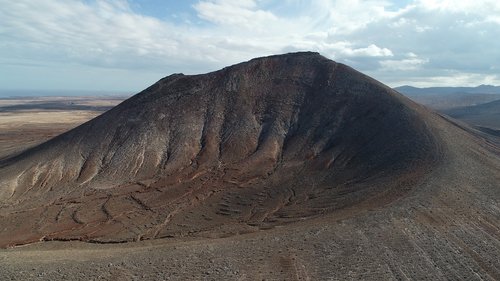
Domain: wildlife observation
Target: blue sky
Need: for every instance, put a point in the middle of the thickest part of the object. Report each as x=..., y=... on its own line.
x=120, y=45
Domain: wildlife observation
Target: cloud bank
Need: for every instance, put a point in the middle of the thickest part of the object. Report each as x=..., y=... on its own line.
x=112, y=45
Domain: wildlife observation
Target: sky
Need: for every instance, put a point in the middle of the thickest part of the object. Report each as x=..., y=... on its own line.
x=127, y=45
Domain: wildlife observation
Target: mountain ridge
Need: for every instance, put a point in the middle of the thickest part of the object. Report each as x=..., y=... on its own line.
x=481, y=89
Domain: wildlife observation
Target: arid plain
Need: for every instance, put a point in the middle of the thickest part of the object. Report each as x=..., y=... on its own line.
x=27, y=121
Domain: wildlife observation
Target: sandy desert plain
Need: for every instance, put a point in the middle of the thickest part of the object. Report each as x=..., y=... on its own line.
x=27, y=121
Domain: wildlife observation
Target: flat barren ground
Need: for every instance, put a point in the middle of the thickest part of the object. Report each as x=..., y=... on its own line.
x=25, y=122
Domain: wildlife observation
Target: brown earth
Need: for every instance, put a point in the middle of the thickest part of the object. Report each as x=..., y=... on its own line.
x=21, y=130
x=311, y=170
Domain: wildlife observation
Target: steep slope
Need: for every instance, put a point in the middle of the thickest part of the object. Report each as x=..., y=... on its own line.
x=255, y=145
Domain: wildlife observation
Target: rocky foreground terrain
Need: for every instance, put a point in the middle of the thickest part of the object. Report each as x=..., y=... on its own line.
x=288, y=167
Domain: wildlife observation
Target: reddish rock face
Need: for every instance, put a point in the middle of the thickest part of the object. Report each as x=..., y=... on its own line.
x=251, y=146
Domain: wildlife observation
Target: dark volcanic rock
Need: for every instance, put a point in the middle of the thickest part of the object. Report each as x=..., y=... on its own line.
x=251, y=146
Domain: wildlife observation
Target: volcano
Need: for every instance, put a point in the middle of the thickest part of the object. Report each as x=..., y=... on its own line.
x=267, y=143
x=264, y=142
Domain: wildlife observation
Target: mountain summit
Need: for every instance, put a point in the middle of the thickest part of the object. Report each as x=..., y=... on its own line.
x=258, y=144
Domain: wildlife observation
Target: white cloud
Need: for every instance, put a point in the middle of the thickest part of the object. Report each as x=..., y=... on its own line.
x=376, y=36
x=236, y=13
x=371, y=51
x=344, y=49
x=110, y=34
x=410, y=63
x=344, y=17
x=462, y=79
x=463, y=6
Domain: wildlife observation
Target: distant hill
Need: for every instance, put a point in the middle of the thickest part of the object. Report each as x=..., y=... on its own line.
x=6, y=94
x=487, y=114
x=47, y=103
x=481, y=89
x=444, y=98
